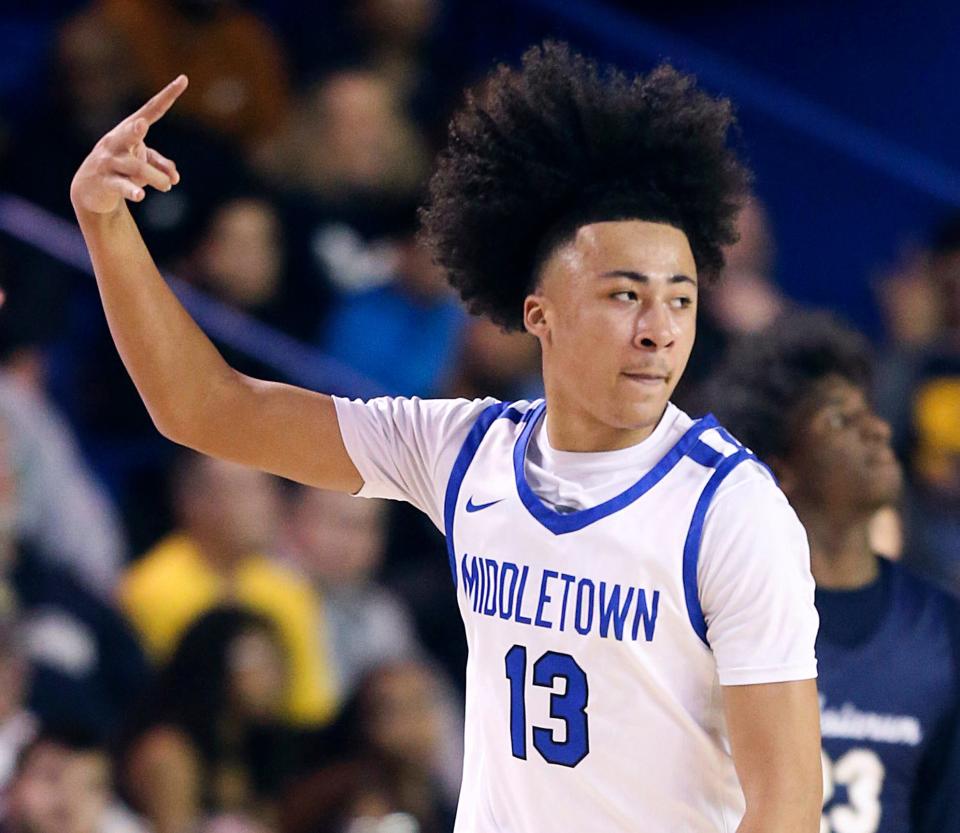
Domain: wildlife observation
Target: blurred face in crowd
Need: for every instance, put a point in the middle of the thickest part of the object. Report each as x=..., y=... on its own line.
x=257, y=675
x=615, y=312
x=339, y=538
x=401, y=714
x=97, y=78
x=842, y=462
x=228, y=507
x=241, y=258
x=358, y=126
x=746, y=300
x=753, y=252
x=60, y=790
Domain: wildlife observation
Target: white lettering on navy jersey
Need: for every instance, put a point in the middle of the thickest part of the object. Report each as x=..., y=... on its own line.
x=849, y=722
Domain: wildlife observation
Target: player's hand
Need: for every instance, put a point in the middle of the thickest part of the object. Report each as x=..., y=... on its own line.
x=121, y=166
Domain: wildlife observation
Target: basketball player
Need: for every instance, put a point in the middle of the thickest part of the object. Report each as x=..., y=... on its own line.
x=889, y=643
x=635, y=589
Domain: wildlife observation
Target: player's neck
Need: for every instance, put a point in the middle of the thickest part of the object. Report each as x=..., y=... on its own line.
x=572, y=428
x=840, y=554
x=570, y=433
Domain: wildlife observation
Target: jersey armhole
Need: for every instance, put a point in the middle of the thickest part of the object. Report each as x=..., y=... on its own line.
x=691, y=547
x=462, y=463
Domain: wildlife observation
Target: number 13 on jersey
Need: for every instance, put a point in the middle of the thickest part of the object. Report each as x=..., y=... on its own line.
x=568, y=705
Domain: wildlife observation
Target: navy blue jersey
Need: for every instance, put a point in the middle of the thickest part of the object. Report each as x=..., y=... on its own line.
x=889, y=681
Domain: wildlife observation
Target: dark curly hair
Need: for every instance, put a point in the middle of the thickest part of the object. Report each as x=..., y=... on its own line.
x=537, y=152
x=766, y=379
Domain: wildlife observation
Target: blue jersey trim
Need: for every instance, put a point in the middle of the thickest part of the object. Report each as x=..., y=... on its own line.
x=573, y=521
x=705, y=455
x=735, y=442
x=691, y=547
x=729, y=437
x=513, y=414
x=467, y=452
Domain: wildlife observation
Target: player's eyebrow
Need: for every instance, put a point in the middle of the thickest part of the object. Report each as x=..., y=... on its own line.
x=641, y=278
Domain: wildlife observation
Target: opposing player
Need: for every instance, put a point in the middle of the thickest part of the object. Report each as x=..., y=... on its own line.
x=889, y=643
x=635, y=589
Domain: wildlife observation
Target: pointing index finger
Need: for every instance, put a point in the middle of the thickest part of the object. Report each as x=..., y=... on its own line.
x=154, y=109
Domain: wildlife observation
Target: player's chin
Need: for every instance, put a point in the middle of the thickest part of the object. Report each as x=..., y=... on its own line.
x=638, y=412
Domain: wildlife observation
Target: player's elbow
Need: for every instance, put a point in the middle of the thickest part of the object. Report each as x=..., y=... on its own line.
x=173, y=425
x=191, y=420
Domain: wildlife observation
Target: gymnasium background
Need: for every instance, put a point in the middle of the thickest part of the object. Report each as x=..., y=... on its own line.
x=135, y=580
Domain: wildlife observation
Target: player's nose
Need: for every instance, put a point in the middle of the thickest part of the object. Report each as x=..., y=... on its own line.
x=656, y=328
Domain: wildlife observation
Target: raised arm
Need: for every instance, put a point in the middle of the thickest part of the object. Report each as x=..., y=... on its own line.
x=193, y=396
x=775, y=740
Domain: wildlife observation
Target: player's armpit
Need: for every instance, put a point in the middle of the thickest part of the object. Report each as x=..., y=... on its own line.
x=774, y=733
x=282, y=429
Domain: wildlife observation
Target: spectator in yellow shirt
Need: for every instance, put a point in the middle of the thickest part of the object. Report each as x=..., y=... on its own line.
x=227, y=517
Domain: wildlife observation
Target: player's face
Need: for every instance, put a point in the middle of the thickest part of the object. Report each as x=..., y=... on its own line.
x=842, y=461
x=615, y=312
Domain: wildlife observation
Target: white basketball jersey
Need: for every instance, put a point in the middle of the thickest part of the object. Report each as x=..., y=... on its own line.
x=593, y=702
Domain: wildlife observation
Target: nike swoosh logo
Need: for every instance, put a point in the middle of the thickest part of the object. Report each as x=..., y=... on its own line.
x=476, y=507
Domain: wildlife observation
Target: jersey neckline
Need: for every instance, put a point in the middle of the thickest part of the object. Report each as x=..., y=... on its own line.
x=560, y=524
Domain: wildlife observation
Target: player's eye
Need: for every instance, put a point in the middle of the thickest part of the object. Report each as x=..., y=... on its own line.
x=625, y=295
x=681, y=302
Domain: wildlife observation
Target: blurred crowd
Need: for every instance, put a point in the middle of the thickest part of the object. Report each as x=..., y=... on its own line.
x=189, y=645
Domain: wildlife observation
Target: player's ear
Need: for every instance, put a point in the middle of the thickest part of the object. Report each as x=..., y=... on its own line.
x=535, y=316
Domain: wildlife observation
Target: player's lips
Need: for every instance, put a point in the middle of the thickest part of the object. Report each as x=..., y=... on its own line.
x=646, y=377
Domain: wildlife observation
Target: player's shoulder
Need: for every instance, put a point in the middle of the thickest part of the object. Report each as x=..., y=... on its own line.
x=454, y=419
x=743, y=473
x=413, y=411
x=747, y=485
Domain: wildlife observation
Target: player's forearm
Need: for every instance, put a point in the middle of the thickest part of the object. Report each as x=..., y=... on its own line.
x=783, y=794
x=775, y=740
x=174, y=366
x=784, y=815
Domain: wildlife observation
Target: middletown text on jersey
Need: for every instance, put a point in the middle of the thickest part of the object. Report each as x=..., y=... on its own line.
x=559, y=601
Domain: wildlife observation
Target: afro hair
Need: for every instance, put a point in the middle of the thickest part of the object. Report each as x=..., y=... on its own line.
x=539, y=151
x=767, y=378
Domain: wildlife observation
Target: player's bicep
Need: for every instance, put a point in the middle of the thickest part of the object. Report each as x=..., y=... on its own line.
x=282, y=429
